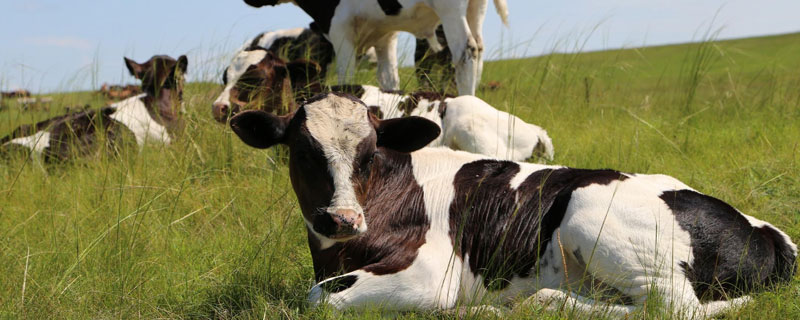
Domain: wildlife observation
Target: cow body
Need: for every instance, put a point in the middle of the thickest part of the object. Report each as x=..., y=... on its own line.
x=150, y=117
x=468, y=123
x=354, y=25
x=437, y=228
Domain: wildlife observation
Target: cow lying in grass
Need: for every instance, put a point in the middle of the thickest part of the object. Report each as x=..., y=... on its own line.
x=149, y=117
x=396, y=225
x=119, y=92
x=468, y=122
x=352, y=26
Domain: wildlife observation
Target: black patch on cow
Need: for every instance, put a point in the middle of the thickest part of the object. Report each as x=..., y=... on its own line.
x=390, y=7
x=354, y=89
x=256, y=40
x=412, y=102
x=503, y=231
x=321, y=11
x=731, y=257
x=395, y=213
x=339, y=284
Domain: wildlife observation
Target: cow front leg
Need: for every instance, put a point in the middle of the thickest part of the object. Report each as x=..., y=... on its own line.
x=463, y=47
x=344, y=47
x=386, y=51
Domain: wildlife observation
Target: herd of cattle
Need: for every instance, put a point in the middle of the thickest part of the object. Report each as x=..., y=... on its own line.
x=422, y=200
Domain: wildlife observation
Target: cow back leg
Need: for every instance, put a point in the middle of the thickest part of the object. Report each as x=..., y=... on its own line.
x=476, y=13
x=386, y=50
x=461, y=43
x=344, y=47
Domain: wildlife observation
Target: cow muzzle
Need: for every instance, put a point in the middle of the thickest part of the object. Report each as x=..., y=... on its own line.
x=349, y=223
x=222, y=111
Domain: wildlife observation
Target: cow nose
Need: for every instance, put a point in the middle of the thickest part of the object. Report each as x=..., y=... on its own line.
x=347, y=219
x=220, y=111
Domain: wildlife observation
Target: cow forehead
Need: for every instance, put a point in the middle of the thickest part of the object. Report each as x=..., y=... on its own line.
x=242, y=61
x=338, y=124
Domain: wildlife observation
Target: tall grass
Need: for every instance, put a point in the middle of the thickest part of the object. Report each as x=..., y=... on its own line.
x=207, y=227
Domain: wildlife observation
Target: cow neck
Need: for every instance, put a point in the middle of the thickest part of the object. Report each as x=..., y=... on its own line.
x=163, y=107
x=394, y=210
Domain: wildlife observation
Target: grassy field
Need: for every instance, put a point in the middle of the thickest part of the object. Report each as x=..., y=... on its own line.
x=208, y=227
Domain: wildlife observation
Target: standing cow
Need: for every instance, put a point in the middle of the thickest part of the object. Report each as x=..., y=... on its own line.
x=352, y=26
x=396, y=226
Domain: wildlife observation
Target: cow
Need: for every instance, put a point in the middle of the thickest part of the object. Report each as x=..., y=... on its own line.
x=396, y=225
x=354, y=25
x=468, y=122
x=18, y=93
x=116, y=92
x=153, y=116
x=305, y=44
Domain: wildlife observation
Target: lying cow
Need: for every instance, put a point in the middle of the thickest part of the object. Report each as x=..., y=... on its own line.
x=149, y=117
x=119, y=92
x=354, y=25
x=468, y=122
x=393, y=225
x=18, y=93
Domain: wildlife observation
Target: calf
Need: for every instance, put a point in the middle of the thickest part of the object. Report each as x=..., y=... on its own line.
x=354, y=25
x=395, y=225
x=152, y=116
x=18, y=93
x=119, y=92
x=468, y=122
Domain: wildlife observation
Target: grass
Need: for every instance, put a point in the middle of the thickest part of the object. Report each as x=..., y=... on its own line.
x=208, y=227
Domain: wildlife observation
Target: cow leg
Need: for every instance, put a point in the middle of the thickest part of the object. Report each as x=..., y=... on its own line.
x=345, y=50
x=476, y=12
x=386, y=50
x=461, y=43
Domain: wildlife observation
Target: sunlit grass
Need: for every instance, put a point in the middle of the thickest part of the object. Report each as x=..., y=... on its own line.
x=208, y=227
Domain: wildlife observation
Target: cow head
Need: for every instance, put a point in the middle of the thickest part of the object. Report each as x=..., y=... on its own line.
x=160, y=72
x=258, y=79
x=332, y=142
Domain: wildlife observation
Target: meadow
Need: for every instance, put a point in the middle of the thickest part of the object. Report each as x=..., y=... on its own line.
x=210, y=228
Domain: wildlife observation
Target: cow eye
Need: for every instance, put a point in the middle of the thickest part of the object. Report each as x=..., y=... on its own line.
x=366, y=164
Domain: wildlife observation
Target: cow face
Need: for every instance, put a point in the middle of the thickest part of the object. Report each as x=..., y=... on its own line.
x=160, y=72
x=332, y=142
x=259, y=79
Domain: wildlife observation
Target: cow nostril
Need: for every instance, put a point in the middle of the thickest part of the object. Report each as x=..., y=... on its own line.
x=347, y=218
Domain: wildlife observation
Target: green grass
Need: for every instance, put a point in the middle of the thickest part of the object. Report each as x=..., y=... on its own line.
x=208, y=227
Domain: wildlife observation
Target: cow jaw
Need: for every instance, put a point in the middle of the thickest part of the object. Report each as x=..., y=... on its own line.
x=339, y=124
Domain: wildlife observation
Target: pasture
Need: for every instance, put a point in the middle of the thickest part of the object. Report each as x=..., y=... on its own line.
x=209, y=228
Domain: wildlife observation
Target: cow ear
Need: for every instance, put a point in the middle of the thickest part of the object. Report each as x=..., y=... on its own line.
x=260, y=129
x=406, y=134
x=134, y=68
x=304, y=73
x=183, y=63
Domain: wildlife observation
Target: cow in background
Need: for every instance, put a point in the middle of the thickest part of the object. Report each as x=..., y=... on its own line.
x=352, y=26
x=153, y=116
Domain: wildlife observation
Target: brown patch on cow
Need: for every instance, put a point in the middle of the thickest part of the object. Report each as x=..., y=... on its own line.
x=492, y=85
x=522, y=220
x=395, y=213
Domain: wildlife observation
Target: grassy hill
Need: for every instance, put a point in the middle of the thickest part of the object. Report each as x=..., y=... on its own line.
x=207, y=227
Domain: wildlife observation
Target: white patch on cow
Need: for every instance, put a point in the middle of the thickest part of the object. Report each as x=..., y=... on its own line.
x=526, y=170
x=132, y=113
x=473, y=125
x=37, y=142
x=238, y=66
x=324, y=242
x=339, y=125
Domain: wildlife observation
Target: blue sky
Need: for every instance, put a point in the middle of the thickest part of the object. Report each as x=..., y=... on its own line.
x=61, y=45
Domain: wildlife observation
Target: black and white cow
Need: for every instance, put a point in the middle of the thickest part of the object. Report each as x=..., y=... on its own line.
x=153, y=116
x=352, y=26
x=468, y=122
x=393, y=224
